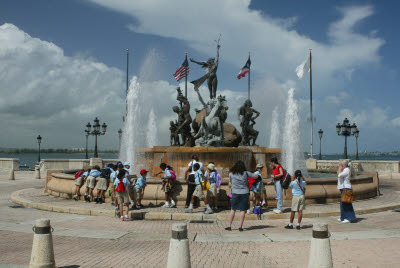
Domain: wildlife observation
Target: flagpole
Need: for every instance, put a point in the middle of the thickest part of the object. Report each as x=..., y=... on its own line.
x=248, y=82
x=127, y=83
x=311, y=115
x=186, y=76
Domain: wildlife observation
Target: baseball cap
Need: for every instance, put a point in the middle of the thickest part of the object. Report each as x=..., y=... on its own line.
x=259, y=166
x=127, y=164
x=143, y=171
x=110, y=165
x=297, y=173
x=211, y=166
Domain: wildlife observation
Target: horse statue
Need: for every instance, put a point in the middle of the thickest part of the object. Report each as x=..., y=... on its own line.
x=211, y=132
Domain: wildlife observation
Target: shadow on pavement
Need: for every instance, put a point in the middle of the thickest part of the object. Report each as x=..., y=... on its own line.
x=358, y=220
x=258, y=227
x=70, y=266
x=306, y=226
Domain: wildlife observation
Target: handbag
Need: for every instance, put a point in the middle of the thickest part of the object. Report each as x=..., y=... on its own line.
x=347, y=196
x=205, y=185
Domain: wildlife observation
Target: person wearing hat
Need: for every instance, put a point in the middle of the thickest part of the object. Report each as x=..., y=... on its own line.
x=190, y=177
x=138, y=189
x=298, y=200
x=211, y=176
x=102, y=183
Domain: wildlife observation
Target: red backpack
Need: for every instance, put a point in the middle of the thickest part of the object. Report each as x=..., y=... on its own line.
x=79, y=173
x=121, y=187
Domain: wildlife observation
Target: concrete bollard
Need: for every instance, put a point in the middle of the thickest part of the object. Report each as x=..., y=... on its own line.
x=37, y=171
x=179, y=253
x=12, y=175
x=320, y=252
x=42, y=248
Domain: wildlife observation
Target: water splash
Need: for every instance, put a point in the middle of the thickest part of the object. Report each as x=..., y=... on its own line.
x=151, y=134
x=275, y=138
x=292, y=149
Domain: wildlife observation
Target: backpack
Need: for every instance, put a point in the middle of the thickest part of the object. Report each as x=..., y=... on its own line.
x=173, y=175
x=218, y=180
x=105, y=173
x=286, y=179
x=121, y=187
x=79, y=173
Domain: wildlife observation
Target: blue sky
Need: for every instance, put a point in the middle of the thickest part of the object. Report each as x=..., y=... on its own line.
x=355, y=62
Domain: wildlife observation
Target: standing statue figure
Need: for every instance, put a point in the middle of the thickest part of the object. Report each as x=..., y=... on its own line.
x=247, y=122
x=174, y=137
x=211, y=67
x=184, y=119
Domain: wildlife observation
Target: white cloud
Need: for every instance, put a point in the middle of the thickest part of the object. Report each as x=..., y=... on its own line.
x=374, y=117
x=338, y=99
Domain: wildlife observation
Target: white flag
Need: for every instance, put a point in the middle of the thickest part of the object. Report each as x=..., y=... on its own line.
x=303, y=68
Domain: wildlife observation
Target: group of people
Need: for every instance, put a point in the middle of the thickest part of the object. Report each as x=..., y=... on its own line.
x=203, y=183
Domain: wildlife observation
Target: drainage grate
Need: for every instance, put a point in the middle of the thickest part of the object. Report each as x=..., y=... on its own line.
x=202, y=221
x=15, y=206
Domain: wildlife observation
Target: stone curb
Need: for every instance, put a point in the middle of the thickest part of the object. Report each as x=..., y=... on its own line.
x=17, y=198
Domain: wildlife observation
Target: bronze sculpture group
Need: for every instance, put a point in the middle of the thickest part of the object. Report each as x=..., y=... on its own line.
x=209, y=126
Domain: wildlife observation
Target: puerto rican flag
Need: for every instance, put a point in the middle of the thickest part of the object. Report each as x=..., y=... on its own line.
x=245, y=70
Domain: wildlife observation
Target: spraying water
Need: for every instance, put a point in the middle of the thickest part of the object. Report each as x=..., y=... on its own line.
x=151, y=134
x=292, y=149
x=274, y=139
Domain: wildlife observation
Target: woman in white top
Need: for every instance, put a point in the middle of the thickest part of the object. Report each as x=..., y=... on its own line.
x=346, y=209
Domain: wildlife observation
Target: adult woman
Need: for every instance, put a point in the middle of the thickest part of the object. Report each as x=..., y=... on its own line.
x=238, y=176
x=277, y=174
x=346, y=209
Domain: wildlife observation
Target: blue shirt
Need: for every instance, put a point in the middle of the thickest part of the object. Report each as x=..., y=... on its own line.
x=127, y=172
x=198, y=177
x=213, y=176
x=140, y=182
x=95, y=173
x=84, y=174
x=113, y=175
x=296, y=191
x=124, y=181
x=167, y=173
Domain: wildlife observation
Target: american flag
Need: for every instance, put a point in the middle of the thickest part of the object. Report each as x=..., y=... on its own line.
x=183, y=71
x=245, y=70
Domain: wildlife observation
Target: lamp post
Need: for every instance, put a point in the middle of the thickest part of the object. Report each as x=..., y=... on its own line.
x=356, y=133
x=39, y=140
x=320, y=132
x=119, y=136
x=87, y=133
x=345, y=130
x=96, y=132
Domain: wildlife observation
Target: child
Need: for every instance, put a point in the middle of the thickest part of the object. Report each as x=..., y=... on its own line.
x=167, y=186
x=102, y=183
x=298, y=200
x=79, y=182
x=258, y=186
x=121, y=191
x=211, y=176
x=113, y=177
x=198, y=192
x=138, y=189
x=91, y=182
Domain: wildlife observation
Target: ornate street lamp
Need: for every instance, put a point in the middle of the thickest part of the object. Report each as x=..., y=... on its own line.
x=96, y=132
x=39, y=140
x=120, y=136
x=87, y=133
x=356, y=133
x=320, y=132
x=346, y=130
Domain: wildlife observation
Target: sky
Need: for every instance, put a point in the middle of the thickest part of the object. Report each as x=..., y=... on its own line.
x=62, y=63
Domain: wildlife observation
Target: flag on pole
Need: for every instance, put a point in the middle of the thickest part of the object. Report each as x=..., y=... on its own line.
x=245, y=70
x=303, y=68
x=182, y=71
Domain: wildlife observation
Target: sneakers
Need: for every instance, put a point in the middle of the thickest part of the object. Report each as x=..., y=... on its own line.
x=140, y=206
x=289, y=226
x=76, y=197
x=127, y=219
x=172, y=206
x=116, y=213
x=165, y=205
x=133, y=208
x=263, y=203
x=339, y=219
x=97, y=200
x=277, y=211
x=298, y=227
x=248, y=211
x=345, y=221
x=209, y=211
x=188, y=210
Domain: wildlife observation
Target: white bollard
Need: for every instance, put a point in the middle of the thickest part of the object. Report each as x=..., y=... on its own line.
x=12, y=175
x=42, y=248
x=320, y=252
x=179, y=253
x=37, y=171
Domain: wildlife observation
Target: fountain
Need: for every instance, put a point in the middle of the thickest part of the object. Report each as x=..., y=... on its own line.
x=275, y=139
x=151, y=133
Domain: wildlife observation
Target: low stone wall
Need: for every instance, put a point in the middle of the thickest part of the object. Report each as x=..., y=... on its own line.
x=7, y=164
x=319, y=190
x=382, y=167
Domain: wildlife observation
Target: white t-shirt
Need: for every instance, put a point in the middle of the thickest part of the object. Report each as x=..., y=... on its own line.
x=191, y=164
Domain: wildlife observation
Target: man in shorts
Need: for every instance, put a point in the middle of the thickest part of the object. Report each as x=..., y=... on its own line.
x=298, y=200
x=198, y=192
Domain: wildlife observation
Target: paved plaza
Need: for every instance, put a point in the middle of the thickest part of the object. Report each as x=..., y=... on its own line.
x=104, y=241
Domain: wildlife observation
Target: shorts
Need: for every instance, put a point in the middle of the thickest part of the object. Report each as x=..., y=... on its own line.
x=137, y=193
x=167, y=187
x=79, y=181
x=298, y=203
x=101, y=183
x=198, y=192
x=123, y=198
x=90, y=181
x=212, y=192
x=240, y=202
